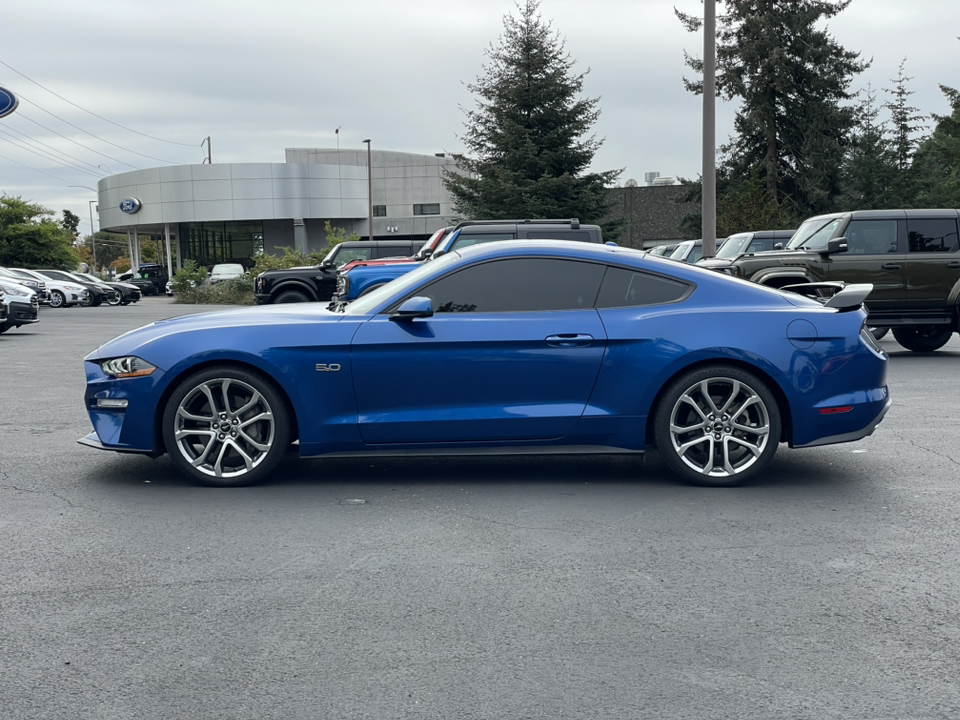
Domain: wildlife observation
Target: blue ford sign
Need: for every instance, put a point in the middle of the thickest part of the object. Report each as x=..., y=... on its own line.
x=8, y=102
x=129, y=205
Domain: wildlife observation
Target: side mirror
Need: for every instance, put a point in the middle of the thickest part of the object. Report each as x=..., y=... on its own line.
x=428, y=252
x=778, y=246
x=413, y=308
x=837, y=245
x=437, y=254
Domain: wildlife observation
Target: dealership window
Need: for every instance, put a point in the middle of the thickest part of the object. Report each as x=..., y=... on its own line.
x=426, y=209
x=379, y=210
x=221, y=242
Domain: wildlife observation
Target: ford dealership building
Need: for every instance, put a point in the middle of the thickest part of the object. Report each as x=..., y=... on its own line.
x=232, y=212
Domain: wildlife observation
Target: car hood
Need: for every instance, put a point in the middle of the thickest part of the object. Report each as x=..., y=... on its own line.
x=272, y=315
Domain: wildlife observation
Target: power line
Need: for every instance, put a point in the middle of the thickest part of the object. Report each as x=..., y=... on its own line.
x=53, y=149
x=75, y=127
x=90, y=112
x=43, y=172
x=109, y=157
x=47, y=156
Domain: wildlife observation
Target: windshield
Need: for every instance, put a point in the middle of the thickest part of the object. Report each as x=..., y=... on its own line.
x=363, y=305
x=733, y=246
x=814, y=233
x=228, y=269
x=430, y=244
x=681, y=250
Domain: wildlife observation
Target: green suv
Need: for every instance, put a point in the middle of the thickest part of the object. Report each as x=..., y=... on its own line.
x=912, y=258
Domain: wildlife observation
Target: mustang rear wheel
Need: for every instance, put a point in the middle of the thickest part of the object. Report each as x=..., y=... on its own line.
x=226, y=427
x=923, y=338
x=717, y=426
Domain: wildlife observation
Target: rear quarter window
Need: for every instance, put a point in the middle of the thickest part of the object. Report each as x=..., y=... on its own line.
x=630, y=288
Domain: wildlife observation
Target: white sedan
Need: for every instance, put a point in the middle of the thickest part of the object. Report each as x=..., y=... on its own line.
x=62, y=293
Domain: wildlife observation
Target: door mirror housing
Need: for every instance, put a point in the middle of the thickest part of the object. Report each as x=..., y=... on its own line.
x=413, y=308
x=837, y=245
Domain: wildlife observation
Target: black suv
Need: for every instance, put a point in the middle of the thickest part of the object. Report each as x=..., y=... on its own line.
x=318, y=282
x=911, y=257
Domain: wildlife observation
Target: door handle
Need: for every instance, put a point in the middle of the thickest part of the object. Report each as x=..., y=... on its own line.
x=569, y=340
x=890, y=266
x=953, y=265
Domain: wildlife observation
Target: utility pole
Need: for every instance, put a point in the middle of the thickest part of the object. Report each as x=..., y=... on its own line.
x=370, y=187
x=708, y=202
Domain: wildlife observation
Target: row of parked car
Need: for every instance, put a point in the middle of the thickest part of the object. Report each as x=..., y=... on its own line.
x=24, y=290
x=911, y=257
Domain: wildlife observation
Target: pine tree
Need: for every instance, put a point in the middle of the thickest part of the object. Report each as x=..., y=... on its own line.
x=792, y=79
x=905, y=124
x=937, y=160
x=870, y=166
x=528, y=142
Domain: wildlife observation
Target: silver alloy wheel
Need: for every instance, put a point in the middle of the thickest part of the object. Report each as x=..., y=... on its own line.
x=57, y=299
x=719, y=427
x=224, y=427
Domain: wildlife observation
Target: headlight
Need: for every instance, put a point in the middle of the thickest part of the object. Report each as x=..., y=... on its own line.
x=17, y=290
x=126, y=367
x=74, y=288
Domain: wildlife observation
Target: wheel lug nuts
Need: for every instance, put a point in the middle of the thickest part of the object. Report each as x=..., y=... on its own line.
x=235, y=421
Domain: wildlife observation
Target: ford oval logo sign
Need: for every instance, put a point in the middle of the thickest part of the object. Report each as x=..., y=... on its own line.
x=8, y=102
x=129, y=205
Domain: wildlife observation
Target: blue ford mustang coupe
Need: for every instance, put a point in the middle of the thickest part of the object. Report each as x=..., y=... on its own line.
x=527, y=347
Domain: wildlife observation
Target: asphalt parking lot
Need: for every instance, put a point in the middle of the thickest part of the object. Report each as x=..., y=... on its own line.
x=481, y=588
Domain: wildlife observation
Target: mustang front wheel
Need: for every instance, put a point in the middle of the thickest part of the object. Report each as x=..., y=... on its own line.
x=717, y=426
x=226, y=427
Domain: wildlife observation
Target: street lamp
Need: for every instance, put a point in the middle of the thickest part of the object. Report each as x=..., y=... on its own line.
x=370, y=187
x=93, y=242
x=93, y=235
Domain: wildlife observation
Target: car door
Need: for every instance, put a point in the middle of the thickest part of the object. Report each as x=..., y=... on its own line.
x=874, y=255
x=511, y=353
x=933, y=261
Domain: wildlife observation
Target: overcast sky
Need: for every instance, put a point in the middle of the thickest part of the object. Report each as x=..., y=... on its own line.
x=259, y=77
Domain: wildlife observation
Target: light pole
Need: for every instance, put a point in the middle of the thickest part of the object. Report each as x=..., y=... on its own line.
x=370, y=187
x=93, y=235
x=93, y=244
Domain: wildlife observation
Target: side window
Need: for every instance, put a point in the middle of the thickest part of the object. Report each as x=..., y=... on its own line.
x=933, y=235
x=535, y=284
x=466, y=240
x=579, y=235
x=871, y=237
x=629, y=288
x=348, y=254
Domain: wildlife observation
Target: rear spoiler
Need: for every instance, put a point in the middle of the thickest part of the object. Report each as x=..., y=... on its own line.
x=837, y=295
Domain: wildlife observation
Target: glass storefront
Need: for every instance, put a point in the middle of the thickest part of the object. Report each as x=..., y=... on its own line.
x=222, y=242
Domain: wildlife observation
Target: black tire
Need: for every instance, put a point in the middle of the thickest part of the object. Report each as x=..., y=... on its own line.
x=205, y=431
x=879, y=332
x=371, y=289
x=923, y=338
x=117, y=300
x=684, y=405
x=57, y=299
x=97, y=301
x=292, y=296
x=5, y=327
